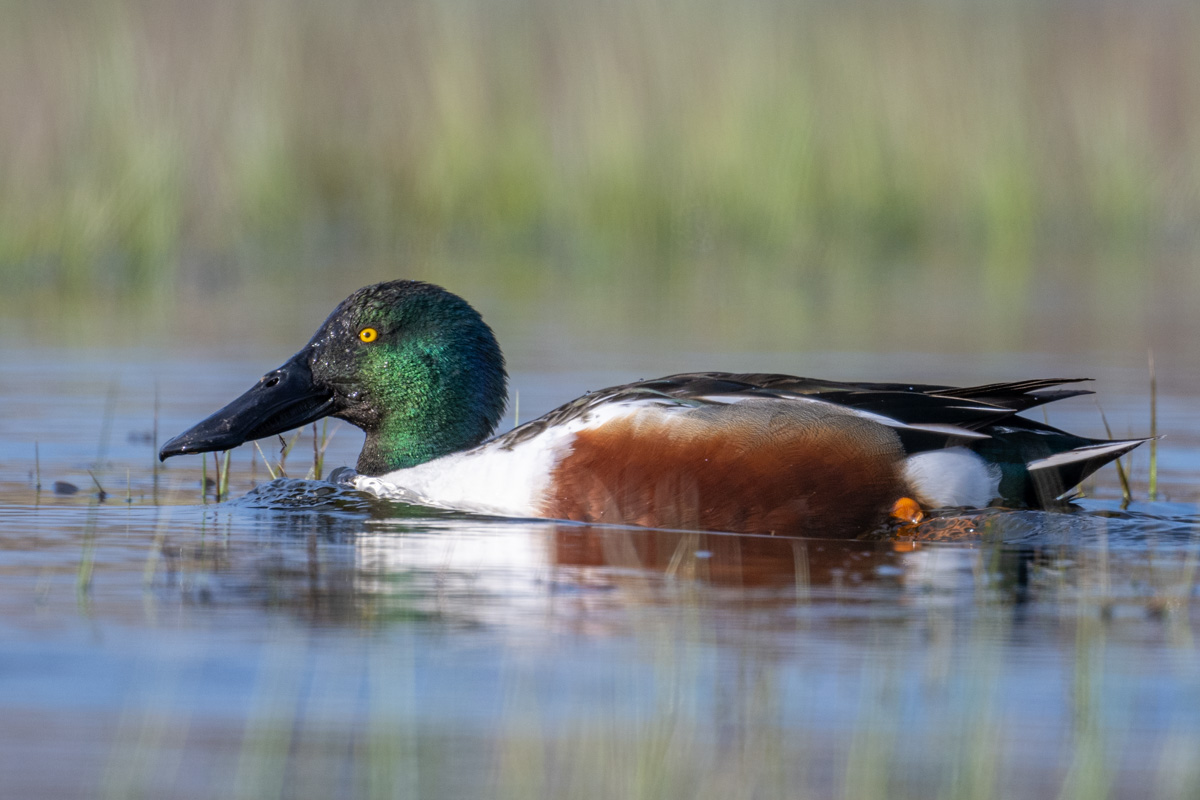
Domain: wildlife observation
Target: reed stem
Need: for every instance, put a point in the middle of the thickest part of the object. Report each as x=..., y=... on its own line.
x=270, y=470
x=1122, y=472
x=1153, y=490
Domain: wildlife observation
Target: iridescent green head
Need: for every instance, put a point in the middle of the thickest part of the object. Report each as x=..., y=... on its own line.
x=416, y=368
x=411, y=364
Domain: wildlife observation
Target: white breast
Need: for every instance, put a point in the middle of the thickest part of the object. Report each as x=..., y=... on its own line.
x=493, y=478
x=485, y=480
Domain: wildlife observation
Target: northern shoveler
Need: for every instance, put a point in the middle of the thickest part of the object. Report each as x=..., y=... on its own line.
x=420, y=372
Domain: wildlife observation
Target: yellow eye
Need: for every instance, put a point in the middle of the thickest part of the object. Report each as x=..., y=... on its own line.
x=368, y=334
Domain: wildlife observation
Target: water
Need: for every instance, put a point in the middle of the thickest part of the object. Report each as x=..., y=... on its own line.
x=303, y=641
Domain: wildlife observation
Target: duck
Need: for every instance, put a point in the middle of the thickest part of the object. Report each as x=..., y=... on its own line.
x=417, y=369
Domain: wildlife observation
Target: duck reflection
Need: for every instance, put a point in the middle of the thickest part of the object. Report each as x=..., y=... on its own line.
x=520, y=574
x=728, y=559
x=355, y=562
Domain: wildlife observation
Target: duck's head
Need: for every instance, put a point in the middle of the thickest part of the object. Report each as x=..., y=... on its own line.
x=411, y=364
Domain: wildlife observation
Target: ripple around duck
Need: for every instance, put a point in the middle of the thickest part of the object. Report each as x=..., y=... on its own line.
x=1088, y=525
x=283, y=494
x=333, y=499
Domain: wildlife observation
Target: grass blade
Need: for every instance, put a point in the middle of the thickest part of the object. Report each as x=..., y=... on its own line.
x=1153, y=491
x=1122, y=473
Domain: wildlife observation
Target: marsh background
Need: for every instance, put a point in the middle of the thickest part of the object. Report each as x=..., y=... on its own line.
x=933, y=176
x=950, y=190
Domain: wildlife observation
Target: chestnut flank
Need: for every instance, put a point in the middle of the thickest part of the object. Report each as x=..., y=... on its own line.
x=815, y=471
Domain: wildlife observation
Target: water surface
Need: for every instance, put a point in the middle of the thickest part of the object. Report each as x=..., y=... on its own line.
x=301, y=640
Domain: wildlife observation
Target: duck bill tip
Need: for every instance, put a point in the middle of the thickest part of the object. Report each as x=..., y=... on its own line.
x=198, y=440
x=284, y=399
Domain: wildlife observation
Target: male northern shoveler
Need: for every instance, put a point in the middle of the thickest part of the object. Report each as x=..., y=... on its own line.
x=420, y=372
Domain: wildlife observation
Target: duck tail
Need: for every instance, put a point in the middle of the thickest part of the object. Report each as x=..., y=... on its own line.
x=1054, y=475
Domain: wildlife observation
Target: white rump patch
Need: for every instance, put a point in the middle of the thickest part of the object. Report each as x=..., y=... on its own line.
x=952, y=477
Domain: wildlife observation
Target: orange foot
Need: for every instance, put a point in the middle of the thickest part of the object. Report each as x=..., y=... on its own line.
x=907, y=510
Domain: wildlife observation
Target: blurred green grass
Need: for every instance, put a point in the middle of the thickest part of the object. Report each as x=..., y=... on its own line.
x=835, y=166
x=136, y=134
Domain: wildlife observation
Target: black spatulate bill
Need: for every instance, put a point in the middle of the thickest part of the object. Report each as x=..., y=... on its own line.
x=282, y=400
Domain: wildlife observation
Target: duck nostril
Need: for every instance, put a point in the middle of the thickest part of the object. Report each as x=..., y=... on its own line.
x=269, y=381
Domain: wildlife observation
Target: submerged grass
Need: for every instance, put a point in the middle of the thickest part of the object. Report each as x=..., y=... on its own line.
x=147, y=143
